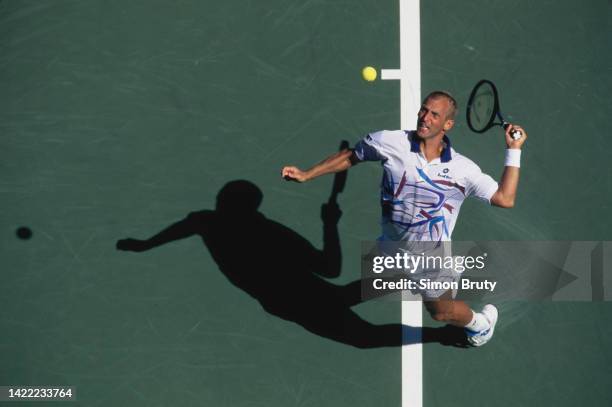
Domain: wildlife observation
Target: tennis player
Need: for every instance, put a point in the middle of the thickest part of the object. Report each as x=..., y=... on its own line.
x=424, y=183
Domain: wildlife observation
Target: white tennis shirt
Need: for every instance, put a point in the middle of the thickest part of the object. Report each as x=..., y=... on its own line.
x=421, y=200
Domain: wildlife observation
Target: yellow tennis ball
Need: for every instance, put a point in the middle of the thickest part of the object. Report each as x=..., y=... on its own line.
x=369, y=73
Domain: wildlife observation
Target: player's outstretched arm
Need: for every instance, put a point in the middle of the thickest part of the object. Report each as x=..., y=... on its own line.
x=506, y=193
x=338, y=162
x=177, y=231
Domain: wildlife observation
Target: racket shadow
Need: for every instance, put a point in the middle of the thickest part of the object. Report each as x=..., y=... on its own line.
x=267, y=259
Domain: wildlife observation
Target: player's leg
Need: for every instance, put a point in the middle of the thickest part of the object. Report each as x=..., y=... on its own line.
x=445, y=309
x=479, y=326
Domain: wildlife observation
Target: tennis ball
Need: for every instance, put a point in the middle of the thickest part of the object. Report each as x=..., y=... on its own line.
x=369, y=73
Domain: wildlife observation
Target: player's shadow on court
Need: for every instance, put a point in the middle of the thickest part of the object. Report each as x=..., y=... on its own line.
x=283, y=271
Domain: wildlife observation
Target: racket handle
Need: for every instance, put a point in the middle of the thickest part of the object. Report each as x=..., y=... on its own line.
x=516, y=134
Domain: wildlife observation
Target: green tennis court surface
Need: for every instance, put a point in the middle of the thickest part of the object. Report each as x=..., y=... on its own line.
x=118, y=119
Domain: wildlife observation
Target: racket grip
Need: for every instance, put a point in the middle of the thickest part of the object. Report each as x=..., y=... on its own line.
x=516, y=134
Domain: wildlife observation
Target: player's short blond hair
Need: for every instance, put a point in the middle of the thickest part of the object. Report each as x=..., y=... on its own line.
x=446, y=95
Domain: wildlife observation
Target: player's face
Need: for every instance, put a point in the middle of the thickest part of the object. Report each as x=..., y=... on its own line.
x=433, y=119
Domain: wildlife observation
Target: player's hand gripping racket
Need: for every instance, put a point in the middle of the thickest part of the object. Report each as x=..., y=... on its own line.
x=483, y=109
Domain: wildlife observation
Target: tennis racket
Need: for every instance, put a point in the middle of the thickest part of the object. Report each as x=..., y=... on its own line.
x=483, y=109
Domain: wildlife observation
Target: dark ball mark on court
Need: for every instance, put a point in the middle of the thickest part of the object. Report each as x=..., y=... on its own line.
x=24, y=233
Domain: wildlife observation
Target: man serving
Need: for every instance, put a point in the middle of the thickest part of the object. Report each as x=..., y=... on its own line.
x=423, y=186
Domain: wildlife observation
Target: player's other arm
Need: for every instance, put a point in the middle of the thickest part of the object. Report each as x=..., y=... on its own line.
x=505, y=195
x=341, y=161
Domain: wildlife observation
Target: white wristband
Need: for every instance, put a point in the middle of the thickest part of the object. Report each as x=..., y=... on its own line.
x=513, y=158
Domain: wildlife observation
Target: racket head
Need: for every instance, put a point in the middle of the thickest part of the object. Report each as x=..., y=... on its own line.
x=483, y=107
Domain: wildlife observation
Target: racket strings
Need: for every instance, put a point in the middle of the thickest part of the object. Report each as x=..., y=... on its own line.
x=482, y=107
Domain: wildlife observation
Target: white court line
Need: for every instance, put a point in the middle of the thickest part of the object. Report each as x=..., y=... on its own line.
x=409, y=76
x=390, y=74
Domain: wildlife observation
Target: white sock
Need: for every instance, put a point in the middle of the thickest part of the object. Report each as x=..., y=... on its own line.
x=478, y=322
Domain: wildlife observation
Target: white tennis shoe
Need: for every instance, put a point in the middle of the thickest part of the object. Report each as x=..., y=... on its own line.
x=481, y=337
